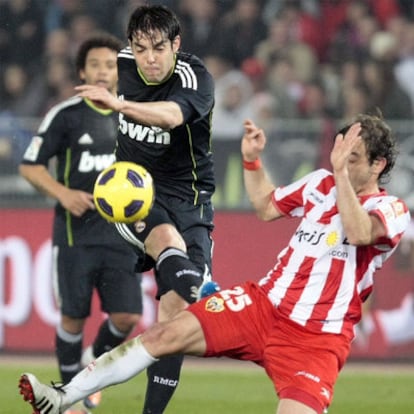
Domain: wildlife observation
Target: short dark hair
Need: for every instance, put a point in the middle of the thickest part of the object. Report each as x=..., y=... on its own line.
x=147, y=19
x=379, y=141
x=97, y=40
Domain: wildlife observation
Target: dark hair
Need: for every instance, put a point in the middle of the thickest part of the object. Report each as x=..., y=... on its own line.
x=98, y=40
x=379, y=141
x=150, y=19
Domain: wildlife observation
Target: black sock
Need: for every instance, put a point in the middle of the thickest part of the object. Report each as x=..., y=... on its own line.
x=68, y=352
x=183, y=275
x=108, y=337
x=163, y=377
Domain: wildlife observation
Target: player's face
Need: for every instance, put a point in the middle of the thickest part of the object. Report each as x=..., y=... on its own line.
x=101, y=68
x=362, y=174
x=154, y=55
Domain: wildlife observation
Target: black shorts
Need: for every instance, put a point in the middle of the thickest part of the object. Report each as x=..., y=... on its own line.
x=193, y=222
x=109, y=269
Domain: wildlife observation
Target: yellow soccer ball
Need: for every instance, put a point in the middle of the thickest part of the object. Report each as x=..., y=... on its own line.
x=124, y=192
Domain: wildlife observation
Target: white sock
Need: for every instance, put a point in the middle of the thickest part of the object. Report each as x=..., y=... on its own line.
x=113, y=367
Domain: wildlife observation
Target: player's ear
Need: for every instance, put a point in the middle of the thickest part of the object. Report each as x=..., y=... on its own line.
x=82, y=75
x=176, y=43
x=379, y=164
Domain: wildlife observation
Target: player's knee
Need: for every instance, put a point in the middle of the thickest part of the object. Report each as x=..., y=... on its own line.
x=159, y=339
x=162, y=237
x=125, y=322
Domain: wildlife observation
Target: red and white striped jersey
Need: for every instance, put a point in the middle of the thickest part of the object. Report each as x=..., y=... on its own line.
x=319, y=279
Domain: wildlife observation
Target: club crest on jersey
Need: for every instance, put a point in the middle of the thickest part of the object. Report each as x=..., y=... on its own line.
x=214, y=304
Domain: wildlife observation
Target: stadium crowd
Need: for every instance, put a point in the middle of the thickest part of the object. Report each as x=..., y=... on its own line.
x=272, y=60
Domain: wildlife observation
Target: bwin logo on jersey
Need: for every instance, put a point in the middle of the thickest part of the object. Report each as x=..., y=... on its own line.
x=99, y=162
x=151, y=135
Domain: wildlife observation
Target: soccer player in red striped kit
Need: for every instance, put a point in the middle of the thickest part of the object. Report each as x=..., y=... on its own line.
x=298, y=321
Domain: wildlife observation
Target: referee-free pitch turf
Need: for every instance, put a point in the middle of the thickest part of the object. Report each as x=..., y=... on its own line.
x=219, y=386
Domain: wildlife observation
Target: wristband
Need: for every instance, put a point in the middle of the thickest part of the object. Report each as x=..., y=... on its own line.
x=252, y=165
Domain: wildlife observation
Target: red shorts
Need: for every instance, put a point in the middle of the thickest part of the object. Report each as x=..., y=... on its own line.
x=241, y=323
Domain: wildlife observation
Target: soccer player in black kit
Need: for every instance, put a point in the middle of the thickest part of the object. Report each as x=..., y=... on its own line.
x=88, y=252
x=165, y=104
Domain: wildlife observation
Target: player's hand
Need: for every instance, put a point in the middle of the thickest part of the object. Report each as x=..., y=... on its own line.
x=253, y=141
x=343, y=147
x=77, y=202
x=99, y=95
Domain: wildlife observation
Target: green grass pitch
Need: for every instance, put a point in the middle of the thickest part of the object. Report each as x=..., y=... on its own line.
x=211, y=386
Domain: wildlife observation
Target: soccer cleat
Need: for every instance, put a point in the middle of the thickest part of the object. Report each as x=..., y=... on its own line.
x=207, y=288
x=93, y=400
x=44, y=399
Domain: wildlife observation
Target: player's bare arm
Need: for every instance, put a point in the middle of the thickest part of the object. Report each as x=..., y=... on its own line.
x=164, y=114
x=354, y=177
x=75, y=201
x=258, y=185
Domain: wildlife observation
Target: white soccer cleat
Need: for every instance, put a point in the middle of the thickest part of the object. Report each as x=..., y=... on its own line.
x=43, y=399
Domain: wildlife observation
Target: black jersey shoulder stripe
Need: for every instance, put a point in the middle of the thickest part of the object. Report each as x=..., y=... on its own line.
x=126, y=53
x=187, y=74
x=55, y=110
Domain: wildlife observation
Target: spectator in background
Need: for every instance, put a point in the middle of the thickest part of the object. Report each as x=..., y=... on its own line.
x=239, y=31
x=80, y=27
x=57, y=44
x=280, y=43
x=19, y=94
x=304, y=27
x=255, y=70
x=199, y=19
x=283, y=82
x=386, y=10
x=13, y=140
x=354, y=100
x=384, y=91
x=14, y=137
x=58, y=81
x=314, y=104
x=315, y=107
x=404, y=66
x=233, y=103
x=21, y=32
x=352, y=37
x=59, y=13
x=336, y=14
x=233, y=94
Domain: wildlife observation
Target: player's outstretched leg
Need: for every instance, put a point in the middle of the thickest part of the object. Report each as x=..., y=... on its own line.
x=113, y=367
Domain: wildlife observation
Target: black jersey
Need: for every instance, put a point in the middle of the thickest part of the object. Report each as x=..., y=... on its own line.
x=83, y=140
x=180, y=159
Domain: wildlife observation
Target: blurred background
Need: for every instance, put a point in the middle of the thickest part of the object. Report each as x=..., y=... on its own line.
x=300, y=69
